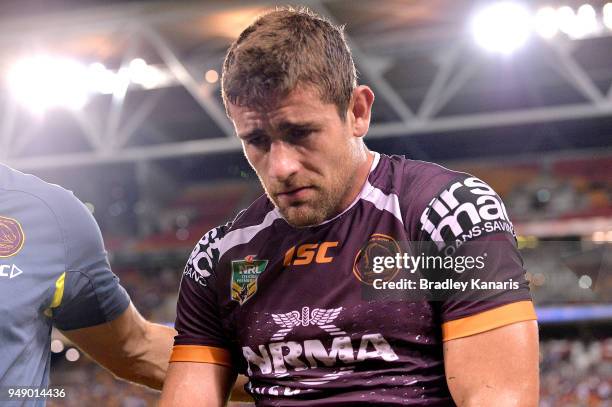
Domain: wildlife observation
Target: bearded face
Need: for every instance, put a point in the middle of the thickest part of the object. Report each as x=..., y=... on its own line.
x=304, y=154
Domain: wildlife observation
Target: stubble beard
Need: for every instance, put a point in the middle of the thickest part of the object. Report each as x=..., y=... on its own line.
x=326, y=203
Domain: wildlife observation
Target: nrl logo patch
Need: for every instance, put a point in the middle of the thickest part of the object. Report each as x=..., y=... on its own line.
x=244, y=277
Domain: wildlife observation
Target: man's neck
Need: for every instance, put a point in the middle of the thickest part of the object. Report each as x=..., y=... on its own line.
x=361, y=176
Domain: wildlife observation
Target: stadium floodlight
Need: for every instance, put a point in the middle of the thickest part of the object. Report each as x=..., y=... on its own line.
x=72, y=355
x=211, y=76
x=145, y=75
x=102, y=80
x=567, y=20
x=586, y=21
x=105, y=81
x=578, y=24
x=585, y=282
x=607, y=15
x=545, y=22
x=57, y=346
x=42, y=82
x=137, y=67
x=502, y=27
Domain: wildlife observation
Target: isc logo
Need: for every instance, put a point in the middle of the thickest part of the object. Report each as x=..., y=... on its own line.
x=304, y=254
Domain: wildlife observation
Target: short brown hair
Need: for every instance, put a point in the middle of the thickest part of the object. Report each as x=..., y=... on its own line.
x=285, y=48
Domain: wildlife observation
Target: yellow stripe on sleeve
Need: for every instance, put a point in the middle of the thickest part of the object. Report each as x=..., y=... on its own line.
x=57, y=295
x=487, y=320
x=59, y=291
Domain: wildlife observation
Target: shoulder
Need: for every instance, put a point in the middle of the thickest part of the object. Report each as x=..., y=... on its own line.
x=43, y=198
x=50, y=195
x=461, y=209
x=250, y=218
x=433, y=197
x=404, y=177
x=415, y=182
x=215, y=242
x=205, y=254
x=79, y=229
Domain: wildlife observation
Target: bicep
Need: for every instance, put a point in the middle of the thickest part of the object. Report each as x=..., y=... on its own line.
x=500, y=364
x=111, y=343
x=197, y=384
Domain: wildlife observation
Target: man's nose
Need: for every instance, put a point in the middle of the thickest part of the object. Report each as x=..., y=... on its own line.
x=283, y=161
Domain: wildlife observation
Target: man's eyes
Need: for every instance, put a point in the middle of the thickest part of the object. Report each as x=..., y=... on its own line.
x=296, y=135
x=301, y=133
x=256, y=141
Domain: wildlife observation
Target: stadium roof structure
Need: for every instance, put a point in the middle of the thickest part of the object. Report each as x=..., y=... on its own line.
x=434, y=86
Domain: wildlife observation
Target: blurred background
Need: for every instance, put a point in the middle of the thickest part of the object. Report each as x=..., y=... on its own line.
x=119, y=101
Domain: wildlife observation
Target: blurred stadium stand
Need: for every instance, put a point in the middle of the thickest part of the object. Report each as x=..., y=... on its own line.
x=145, y=142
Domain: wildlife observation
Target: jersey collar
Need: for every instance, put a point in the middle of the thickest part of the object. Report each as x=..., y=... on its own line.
x=365, y=190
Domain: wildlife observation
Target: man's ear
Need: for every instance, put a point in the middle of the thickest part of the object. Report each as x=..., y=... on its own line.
x=361, y=109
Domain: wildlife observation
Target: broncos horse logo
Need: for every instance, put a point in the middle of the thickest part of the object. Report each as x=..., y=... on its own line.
x=322, y=318
x=11, y=237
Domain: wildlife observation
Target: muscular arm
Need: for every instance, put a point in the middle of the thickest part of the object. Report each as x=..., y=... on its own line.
x=197, y=384
x=130, y=347
x=497, y=367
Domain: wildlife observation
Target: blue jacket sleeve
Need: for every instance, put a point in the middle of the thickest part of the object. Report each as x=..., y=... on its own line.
x=91, y=293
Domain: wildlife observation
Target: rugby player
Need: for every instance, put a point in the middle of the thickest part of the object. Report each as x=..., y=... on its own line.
x=54, y=272
x=278, y=293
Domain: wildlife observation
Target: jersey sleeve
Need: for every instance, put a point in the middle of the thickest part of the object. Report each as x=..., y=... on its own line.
x=87, y=293
x=200, y=334
x=466, y=224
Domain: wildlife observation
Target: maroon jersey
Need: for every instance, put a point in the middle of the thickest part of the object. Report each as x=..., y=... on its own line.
x=295, y=308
